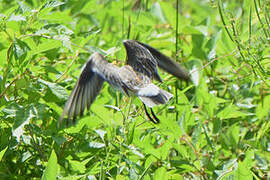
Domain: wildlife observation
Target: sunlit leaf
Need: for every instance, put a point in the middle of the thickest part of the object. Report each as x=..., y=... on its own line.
x=77, y=166
x=53, y=4
x=262, y=109
x=230, y=111
x=2, y=153
x=20, y=50
x=101, y=133
x=51, y=168
x=14, y=17
x=96, y=145
x=157, y=11
x=56, y=89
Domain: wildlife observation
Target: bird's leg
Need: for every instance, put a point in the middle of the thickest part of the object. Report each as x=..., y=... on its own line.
x=155, y=117
x=148, y=115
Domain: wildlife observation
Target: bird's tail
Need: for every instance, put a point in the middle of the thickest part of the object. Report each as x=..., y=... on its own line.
x=152, y=95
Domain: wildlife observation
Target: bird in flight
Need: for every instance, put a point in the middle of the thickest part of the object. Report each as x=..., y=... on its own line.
x=134, y=78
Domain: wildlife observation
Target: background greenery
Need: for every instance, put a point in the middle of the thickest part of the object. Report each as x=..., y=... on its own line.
x=216, y=127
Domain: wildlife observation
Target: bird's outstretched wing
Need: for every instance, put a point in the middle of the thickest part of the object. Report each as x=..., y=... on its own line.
x=141, y=59
x=91, y=79
x=167, y=64
x=164, y=62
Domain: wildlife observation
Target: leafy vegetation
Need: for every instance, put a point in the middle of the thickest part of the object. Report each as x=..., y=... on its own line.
x=216, y=127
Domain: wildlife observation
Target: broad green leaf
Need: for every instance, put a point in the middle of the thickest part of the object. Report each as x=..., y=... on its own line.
x=65, y=40
x=135, y=151
x=77, y=166
x=75, y=128
x=3, y=152
x=263, y=130
x=26, y=156
x=174, y=176
x=20, y=50
x=233, y=135
x=169, y=12
x=191, y=30
x=59, y=17
x=160, y=173
x=208, y=101
x=24, y=7
x=227, y=169
x=231, y=111
x=53, y=3
x=96, y=145
x=149, y=161
x=197, y=42
x=183, y=150
x=244, y=169
x=14, y=17
x=120, y=177
x=157, y=11
x=211, y=46
x=101, y=133
x=263, y=108
x=56, y=89
x=47, y=45
x=198, y=138
x=22, y=116
x=51, y=168
x=131, y=133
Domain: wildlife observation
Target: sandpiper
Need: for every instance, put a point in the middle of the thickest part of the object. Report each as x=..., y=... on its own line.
x=134, y=78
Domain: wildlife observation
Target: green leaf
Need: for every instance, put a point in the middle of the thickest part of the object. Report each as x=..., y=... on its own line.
x=244, y=170
x=96, y=145
x=157, y=11
x=193, y=30
x=209, y=101
x=65, y=41
x=53, y=3
x=47, y=45
x=211, y=46
x=160, y=173
x=263, y=108
x=14, y=17
x=233, y=135
x=3, y=152
x=131, y=134
x=51, y=168
x=101, y=133
x=20, y=50
x=230, y=111
x=77, y=166
x=25, y=8
x=169, y=11
x=197, y=42
x=263, y=131
x=56, y=90
x=22, y=116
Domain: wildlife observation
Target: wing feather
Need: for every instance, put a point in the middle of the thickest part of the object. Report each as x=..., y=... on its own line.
x=85, y=91
x=144, y=58
x=141, y=59
x=167, y=64
x=94, y=73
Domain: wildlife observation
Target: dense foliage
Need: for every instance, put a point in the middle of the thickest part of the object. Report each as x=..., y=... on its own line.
x=216, y=127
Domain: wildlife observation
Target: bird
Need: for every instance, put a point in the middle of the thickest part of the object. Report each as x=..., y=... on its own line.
x=135, y=78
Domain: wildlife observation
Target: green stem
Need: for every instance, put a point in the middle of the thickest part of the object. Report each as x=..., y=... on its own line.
x=258, y=15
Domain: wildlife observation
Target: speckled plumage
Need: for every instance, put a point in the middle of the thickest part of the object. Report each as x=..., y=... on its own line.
x=133, y=78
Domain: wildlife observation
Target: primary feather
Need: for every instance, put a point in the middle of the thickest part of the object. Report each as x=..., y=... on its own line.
x=133, y=78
